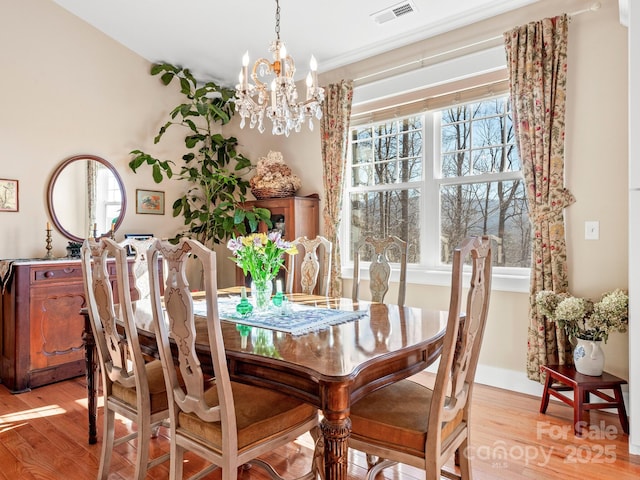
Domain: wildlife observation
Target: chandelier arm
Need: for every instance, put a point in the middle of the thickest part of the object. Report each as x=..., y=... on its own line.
x=254, y=72
x=290, y=66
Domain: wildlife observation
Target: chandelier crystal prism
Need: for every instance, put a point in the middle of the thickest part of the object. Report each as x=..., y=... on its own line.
x=278, y=100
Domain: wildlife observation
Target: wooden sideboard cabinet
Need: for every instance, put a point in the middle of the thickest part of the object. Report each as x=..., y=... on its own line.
x=293, y=217
x=41, y=328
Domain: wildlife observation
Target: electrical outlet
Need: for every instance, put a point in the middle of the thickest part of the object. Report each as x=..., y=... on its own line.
x=592, y=230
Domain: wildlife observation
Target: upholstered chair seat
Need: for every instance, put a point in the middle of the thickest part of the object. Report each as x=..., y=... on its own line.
x=157, y=389
x=397, y=418
x=260, y=413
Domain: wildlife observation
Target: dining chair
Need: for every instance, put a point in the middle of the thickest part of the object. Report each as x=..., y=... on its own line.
x=227, y=423
x=131, y=387
x=141, y=303
x=310, y=266
x=409, y=423
x=378, y=249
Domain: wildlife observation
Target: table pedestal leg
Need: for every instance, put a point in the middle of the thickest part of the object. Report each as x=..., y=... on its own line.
x=92, y=401
x=336, y=448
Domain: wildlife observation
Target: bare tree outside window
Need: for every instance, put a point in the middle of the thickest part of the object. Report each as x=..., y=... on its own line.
x=479, y=193
x=476, y=174
x=386, y=175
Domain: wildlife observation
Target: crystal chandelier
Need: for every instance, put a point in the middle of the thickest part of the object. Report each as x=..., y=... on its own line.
x=279, y=100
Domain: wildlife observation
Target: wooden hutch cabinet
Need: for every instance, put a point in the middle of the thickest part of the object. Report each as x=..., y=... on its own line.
x=293, y=217
x=41, y=328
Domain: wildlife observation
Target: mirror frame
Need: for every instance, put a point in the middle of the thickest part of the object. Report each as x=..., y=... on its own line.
x=52, y=183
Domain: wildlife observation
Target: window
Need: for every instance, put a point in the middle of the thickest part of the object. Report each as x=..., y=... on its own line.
x=386, y=181
x=108, y=201
x=436, y=177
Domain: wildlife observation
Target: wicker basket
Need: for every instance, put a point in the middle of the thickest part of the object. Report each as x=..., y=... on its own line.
x=263, y=193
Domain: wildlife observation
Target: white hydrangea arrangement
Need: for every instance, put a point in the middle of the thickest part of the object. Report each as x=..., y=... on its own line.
x=582, y=318
x=273, y=174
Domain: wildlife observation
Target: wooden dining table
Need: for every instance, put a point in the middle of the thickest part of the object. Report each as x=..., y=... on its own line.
x=331, y=368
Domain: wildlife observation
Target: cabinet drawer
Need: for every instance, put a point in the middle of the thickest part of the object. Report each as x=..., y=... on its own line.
x=56, y=273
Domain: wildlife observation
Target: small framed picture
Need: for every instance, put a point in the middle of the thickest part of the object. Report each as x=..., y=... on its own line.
x=8, y=195
x=150, y=201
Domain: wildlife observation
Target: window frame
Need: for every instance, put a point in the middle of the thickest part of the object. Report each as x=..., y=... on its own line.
x=430, y=271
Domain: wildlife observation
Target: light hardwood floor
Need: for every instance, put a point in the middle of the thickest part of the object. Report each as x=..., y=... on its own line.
x=43, y=435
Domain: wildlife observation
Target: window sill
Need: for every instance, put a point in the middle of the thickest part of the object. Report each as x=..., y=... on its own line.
x=500, y=281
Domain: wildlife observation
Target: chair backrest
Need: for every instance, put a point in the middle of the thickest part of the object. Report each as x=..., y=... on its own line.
x=119, y=353
x=179, y=325
x=379, y=269
x=310, y=266
x=142, y=286
x=463, y=338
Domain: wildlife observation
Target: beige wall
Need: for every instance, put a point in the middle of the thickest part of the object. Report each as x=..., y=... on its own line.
x=68, y=89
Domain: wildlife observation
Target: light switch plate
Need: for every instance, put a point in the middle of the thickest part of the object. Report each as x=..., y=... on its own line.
x=592, y=230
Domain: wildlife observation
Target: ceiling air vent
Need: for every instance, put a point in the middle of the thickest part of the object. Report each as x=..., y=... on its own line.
x=393, y=12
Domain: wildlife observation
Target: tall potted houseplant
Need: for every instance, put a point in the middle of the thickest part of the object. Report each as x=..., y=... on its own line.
x=212, y=165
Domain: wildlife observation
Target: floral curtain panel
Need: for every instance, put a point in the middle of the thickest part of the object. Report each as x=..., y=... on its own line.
x=92, y=178
x=334, y=133
x=537, y=62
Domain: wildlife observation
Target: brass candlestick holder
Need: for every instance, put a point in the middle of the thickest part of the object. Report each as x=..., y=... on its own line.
x=49, y=255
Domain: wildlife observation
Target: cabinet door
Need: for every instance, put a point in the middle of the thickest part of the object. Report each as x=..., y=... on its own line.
x=56, y=325
x=293, y=217
x=56, y=333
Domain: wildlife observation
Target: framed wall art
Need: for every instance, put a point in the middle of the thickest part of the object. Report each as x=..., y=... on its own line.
x=150, y=201
x=8, y=195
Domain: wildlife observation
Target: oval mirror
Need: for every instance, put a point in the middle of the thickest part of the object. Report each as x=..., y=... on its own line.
x=86, y=197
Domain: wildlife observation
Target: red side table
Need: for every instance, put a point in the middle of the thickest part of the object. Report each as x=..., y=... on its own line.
x=560, y=378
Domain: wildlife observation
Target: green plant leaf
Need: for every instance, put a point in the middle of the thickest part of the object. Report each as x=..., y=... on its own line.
x=191, y=141
x=156, y=69
x=239, y=216
x=185, y=86
x=137, y=161
x=166, y=78
x=157, y=173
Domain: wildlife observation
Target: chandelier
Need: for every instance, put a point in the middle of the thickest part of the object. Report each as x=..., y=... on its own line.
x=278, y=101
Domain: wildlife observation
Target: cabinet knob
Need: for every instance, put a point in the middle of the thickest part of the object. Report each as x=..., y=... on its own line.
x=49, y=274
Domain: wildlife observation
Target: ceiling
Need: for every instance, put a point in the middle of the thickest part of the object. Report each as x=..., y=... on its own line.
x=211, y=36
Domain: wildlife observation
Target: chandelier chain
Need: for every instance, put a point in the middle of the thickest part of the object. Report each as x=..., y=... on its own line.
x=278, y=19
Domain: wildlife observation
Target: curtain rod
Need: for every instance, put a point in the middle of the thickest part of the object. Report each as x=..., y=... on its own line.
x=594, y=7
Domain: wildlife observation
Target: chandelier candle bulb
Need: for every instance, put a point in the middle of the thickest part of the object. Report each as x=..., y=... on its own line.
x=245, y=64
x=313, y=66
x=283, y=60
x=309, y=85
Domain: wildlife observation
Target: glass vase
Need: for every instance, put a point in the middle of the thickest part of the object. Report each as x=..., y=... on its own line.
x=261, y=293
